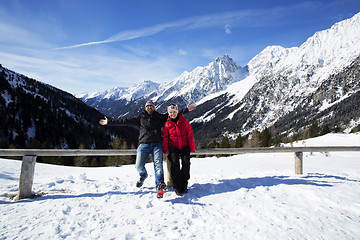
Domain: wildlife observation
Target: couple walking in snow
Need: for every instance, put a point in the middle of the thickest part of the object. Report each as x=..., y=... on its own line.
x=176, y=139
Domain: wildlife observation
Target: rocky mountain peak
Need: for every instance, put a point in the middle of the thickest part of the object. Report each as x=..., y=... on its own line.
x=270, y=86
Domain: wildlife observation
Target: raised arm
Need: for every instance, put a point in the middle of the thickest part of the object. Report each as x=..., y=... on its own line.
x=190, y=107
x=131, y=122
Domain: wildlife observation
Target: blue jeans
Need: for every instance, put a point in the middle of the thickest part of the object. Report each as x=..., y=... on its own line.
x=142, y=154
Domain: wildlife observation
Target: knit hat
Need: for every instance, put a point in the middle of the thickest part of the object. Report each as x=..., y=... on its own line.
x=149, y=103
x=173, y=107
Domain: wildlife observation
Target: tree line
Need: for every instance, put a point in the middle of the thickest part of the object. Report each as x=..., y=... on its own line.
x=269, y=137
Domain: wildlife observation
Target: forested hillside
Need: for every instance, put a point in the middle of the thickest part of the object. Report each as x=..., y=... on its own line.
x=36, y=115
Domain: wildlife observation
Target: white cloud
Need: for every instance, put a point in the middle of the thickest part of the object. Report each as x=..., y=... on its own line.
x=182, y=52
x=85, y=72
x=228, y=29
x=12, y=35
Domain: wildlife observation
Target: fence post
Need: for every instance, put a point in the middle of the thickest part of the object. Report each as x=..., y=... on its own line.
x=298, y=163
x=169, y=182
x=26, y=177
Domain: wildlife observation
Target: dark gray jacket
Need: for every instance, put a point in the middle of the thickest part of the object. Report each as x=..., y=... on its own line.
x=150, y=125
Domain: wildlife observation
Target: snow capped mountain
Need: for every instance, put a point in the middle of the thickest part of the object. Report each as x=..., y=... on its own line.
x=333, y=49
x=203, y=81
x=282, y=82
x=188, y=87
x=118, y=93
x=277, y=82
x=297, y=72
x=265, y=62
x=285, y=89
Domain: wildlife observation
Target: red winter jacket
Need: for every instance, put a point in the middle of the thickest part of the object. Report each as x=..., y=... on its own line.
x=178, y=134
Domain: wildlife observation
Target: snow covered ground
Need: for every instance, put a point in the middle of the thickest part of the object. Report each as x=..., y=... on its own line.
x=250, y=196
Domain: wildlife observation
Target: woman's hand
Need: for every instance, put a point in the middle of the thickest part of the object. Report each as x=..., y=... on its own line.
x=191, y=107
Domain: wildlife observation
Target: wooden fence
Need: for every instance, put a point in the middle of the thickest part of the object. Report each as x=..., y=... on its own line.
x=29, y=158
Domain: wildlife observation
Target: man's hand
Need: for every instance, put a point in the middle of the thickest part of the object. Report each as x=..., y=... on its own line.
x=191, y=107
x=104, y=121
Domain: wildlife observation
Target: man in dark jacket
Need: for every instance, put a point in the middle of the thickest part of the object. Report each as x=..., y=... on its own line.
x=150, y=123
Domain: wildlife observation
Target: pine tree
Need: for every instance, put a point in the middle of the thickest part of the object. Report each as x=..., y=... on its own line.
x=213, y=144
x=356, y=129
x=265, y=138
x=33, y=144
x=255, y=139
x=4, y=144
x=240, y=141
x=225, y=143
x=276, y=139
x=116, y=160
x=314, y=129
x=325, y=130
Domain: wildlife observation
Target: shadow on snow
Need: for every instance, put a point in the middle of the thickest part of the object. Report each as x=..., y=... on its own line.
x=197, y=190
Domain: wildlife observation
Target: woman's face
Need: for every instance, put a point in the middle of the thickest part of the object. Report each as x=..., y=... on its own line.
x=173, y=114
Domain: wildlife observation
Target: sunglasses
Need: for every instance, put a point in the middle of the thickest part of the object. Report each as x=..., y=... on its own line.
x=147, y=106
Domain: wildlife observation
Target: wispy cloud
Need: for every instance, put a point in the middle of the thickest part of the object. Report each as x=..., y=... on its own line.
x=133, y=34
x=252, y=17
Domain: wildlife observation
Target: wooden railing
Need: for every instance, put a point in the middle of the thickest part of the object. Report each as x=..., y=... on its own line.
x=29, y=158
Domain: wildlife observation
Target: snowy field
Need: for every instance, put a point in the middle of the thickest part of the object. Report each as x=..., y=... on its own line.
x=251, y=196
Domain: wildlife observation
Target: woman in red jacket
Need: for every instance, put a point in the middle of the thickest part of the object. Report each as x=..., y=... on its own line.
x=178, y=141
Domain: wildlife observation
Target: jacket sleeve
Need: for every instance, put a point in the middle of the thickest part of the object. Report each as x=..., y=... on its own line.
x=190, y=137
x=165, y=142
x=184, y=111
x=131, y=122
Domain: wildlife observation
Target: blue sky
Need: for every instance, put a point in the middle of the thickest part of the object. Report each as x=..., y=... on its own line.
x=91, y=45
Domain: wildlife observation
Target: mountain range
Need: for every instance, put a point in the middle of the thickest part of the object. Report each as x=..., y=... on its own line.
x=188, y=87
x=282, y=89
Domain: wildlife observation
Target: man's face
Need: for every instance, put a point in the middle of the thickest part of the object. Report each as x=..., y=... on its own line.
x=150, y=109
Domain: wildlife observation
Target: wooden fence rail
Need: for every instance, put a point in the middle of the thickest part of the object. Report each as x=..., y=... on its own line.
x=29, y=157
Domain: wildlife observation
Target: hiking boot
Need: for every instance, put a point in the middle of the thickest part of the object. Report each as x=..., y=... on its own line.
x=178, y=192
x=140, y=182
x=161, y=190
x=161, y=186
